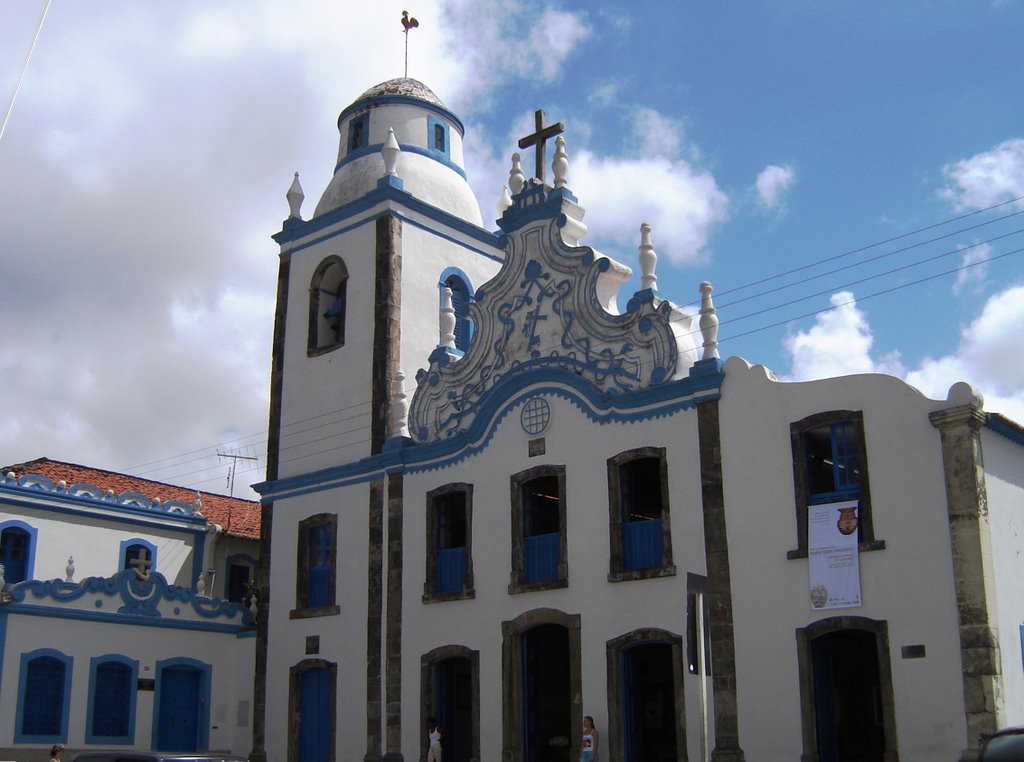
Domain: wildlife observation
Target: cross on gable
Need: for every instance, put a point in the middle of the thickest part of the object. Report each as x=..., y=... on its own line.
x=141, y=566
x=539, y=138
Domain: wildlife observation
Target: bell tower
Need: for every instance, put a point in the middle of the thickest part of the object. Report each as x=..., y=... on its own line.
x=395, y=240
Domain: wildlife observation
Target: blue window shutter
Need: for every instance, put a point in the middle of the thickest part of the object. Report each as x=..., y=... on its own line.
x=44, y=697
x=112, y=700
x=14, y=554
x=642, y=544
x=540, y=557
x=321, y=566
x=451, y=565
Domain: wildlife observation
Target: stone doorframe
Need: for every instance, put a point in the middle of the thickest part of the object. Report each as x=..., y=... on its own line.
x=808, y=713
x=427, y=663
x=512, y=682
x=615, y=649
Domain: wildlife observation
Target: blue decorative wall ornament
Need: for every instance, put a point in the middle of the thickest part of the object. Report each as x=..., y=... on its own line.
x=543, y=312
x=130, y=595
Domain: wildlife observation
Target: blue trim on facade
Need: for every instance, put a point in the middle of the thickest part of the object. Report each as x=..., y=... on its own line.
x=33, y=536
x=62, y=735
x=533, y=380
x=85, y=498
x=1004, y=427
x=3, y=641
x=125, y=544
x=206, y=673
x=301, y=229
x=441, y=158
x=138, y=600
x=94, y=663
x=402, y=100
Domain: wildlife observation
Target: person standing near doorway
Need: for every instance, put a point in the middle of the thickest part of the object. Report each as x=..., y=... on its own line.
x=434, y=732
x=590, y=742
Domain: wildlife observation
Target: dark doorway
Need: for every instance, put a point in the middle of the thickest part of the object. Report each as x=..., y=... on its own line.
x=847, y=697
x=547, y=703
x=649, y=703
x=453, y=707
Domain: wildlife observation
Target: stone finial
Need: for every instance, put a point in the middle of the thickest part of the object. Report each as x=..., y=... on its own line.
x=400, y=408
x=295, y=198
x=516, y=180
x=648, y=259
x=708, y=322
x=69, y=570
x=504, y=200
x=253, y=607
x=447, y=319
x=390, y=153
x=201, y=584
x=560, y=164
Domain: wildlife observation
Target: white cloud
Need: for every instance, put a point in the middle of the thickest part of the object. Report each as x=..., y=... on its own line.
x=680, y=202
x=987, y=178
x=974, y=267
x=987, y=356
x=656, y=135
x=772, y=183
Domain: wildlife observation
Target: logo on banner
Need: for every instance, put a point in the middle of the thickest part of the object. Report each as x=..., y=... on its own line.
x=847, y=520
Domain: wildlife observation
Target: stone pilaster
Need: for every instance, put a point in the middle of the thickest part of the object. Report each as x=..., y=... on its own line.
x=393, y=632
x=970, y=536
x=374, y=619
x=387, y=326
x=716, y=549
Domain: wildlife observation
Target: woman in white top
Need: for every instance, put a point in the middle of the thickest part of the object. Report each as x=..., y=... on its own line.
x=591, y=741
x=434, y=732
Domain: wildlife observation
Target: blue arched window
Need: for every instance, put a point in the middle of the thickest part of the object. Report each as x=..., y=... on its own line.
x=461, y=297
x=45, y=693
x=111, y=714
x=17, y=551
x=139, y=554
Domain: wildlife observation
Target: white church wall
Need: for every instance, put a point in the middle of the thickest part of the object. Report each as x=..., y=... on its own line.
x=607, y=610
x=1004, y=481
x=82, y=640
x=331, y=388
x=909, y=584
x=94, y=541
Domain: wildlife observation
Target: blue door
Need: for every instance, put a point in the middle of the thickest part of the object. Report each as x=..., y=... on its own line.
x=314, y=715
x=178, y=728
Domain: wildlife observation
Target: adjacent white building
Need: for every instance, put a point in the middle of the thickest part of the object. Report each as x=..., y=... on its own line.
x=116, y=628
x=494, y=500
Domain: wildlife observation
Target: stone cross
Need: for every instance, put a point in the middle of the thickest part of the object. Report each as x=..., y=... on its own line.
x=539, y=138
x=141, y=566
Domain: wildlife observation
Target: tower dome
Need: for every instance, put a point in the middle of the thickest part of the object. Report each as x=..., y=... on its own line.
x=430, y=136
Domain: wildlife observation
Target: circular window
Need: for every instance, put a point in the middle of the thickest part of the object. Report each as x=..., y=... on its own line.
x=535, y=416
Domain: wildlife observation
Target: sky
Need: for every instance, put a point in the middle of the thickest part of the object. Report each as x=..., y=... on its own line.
x=849, y=177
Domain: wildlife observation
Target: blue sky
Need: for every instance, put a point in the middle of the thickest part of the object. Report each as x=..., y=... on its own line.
x=144, y=165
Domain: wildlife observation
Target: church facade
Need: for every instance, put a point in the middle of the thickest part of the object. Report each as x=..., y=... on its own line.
x=495, y=501
x=123, y=615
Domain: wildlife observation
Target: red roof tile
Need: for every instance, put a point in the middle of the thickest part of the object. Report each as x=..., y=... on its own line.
x=240, y=518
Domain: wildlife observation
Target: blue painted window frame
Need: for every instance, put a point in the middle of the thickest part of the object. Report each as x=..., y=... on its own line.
x=327, y=308
x=29, y=563
x=25, y=700
x=205, y=674
x=439, y=129
x=358, y=133
x=98, y=708
x=316, y=570
x=539, y=543
x=237, y=559
x=126, y=546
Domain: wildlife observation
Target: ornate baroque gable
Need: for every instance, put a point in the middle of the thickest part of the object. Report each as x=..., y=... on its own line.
x=543, y=314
